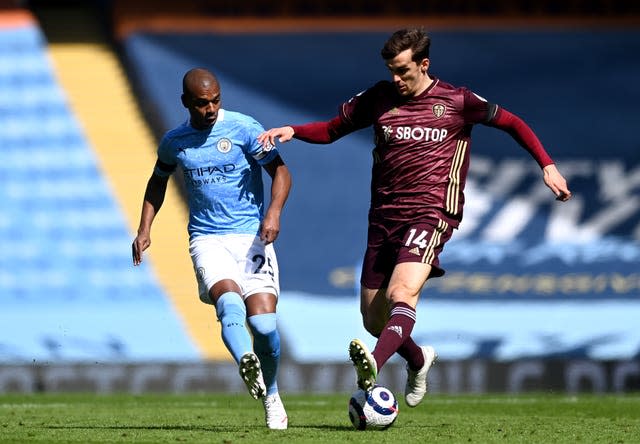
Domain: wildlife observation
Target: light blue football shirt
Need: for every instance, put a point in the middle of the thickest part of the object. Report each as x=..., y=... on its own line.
x=222, y=173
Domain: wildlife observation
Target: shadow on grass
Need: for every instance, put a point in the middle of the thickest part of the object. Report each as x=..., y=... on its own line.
x=187, y=428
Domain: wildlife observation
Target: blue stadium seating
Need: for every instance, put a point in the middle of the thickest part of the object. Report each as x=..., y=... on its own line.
x=68, y=290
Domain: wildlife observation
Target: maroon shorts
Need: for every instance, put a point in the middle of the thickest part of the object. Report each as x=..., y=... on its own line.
x=390, y=243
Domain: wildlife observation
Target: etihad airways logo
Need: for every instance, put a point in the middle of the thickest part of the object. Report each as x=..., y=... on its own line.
x=210, y=170
x=209, y=175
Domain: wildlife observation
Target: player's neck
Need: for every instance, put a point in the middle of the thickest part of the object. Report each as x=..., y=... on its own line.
x=424, y=85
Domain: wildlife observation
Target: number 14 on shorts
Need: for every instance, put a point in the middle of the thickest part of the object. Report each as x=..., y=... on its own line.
x=417, y=237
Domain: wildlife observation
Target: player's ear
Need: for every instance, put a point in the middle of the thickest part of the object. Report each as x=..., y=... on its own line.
x=424, y=65
x=185, y=100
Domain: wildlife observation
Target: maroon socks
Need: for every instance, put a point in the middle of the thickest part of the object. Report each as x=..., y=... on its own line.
x=395, y=337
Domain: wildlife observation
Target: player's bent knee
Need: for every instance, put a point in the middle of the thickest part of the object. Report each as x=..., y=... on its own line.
x=262, y=324
x=230, y=304
x=404, y=295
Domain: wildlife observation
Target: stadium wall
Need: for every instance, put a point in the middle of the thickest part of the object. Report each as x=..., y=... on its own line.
x=448, y=377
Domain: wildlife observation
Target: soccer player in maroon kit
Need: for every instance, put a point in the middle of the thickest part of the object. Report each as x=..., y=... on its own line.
x=422, y=129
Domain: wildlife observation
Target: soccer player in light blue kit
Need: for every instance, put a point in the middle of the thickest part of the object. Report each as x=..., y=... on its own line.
x=231, y=234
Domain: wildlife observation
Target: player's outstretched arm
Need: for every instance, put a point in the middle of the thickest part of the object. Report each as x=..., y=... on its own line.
x=313, y=132
x=556, y=182
x=281, y=134
x=153, y=199
x=526, y=138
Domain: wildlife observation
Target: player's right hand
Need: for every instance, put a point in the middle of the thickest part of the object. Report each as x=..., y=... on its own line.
x=281, y=134
x=140, y=243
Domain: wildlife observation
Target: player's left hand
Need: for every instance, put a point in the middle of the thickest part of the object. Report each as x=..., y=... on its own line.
x=269, y=229
x=556, y=182
x=140, y=243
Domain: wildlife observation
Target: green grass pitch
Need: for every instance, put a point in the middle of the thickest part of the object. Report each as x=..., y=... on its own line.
x=228, y=419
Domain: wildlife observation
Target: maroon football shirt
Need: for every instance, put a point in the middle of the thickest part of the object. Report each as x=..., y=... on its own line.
x=422, y=145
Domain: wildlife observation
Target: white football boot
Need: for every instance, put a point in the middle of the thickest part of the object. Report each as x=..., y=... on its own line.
x=416, y=386
x=274, y=412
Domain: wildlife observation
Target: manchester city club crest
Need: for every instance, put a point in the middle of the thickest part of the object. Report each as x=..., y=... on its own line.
x=438, y=110
x=200, y=274
x=224, y=145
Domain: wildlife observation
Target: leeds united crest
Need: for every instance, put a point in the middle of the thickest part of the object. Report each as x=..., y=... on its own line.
x=438, y=110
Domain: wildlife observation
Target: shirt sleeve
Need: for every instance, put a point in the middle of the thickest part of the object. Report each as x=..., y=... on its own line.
x=521, y=133
x=358, y=111
x=477, y=109
x=354, y=114
x=321, y=132
x=166, y=163
x=261, y=153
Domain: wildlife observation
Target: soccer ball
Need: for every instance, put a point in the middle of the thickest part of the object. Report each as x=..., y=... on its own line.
x=373, y=409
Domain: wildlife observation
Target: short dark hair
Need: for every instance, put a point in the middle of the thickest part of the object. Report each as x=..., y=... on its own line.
x=415, y=39
x=196, y=75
